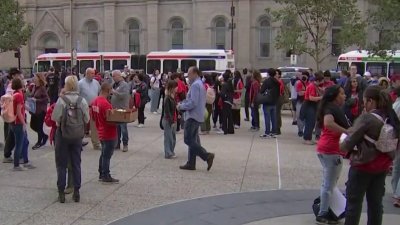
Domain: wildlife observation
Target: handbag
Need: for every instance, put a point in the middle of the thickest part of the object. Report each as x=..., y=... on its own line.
x=264, y=98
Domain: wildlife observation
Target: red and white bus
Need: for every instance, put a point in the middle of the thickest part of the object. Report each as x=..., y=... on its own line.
x=111, y=61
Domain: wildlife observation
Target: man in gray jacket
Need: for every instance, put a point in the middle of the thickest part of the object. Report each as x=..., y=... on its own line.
x=120, y=100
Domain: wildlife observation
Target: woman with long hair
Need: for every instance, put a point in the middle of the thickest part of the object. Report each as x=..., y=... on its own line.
x=170, y=116
x=206, y=125
x=237, y=98
x=354, y=105
x=227, y=91
x=254, y=90
x=333, y=122
x=41, y=98
x=368, y=165
x=140, y=93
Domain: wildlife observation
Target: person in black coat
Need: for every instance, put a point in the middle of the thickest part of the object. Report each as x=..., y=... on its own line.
x=270, y=87
x=227, y=92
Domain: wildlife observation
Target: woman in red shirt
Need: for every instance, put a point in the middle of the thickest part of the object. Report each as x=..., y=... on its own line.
x=333, y=122
x=254, y=90
x=354, y=105
x=237, y=98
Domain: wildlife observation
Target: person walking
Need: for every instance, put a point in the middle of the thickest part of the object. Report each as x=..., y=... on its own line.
x=194, y=108
x=169, y=119
x=140, y=92
x=333, y=122
x=107, y=132
x=68, y=146
x=53, y=83
x=41, y=98
x=155, y=85
x=120, y=100
x=237, y=98
x=301, y=86
x=271, y=86
x=254, y=90
x=89, y=89
x=227, y=91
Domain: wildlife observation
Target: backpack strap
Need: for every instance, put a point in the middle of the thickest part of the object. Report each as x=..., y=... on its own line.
x=380, y=118
x=79, y=101
x=66, y=100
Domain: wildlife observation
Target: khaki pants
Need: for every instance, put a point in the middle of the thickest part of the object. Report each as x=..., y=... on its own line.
x=93, y=135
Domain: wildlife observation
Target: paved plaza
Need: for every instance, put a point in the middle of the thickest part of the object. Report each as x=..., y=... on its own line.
x=253, y=181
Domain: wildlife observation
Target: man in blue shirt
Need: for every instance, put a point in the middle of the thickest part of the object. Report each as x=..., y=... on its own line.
x=194, y=106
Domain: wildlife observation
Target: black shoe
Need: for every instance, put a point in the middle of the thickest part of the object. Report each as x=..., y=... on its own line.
x=84, y=143
x=44, y=141
x=210, y=160
x=246, y=119
x=101, y=177
x=36, y=146
x=76, y=196
x=294, y=123
x=187, y=167
x=118, y=147
x=325, y=220
x=61, y=196
x=109, y=180
x=300, y=134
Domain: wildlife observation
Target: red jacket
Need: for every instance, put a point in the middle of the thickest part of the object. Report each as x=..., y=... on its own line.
x=254, y=90
x=50, y=123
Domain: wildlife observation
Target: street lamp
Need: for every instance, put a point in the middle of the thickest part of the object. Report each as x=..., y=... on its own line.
x=72, y=50
x=232, y=25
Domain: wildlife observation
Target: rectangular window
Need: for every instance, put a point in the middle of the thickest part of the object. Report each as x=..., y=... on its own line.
x=360, y=67
x=153, y=65
x=134, y=42
x=119, y=64
x=187, y=63
x=93, y=42
x=220, y=38
x=58, y=65
x=177, y=39
x=84, y=64
x=170, y=66
x=335, y=46
x=394, y=68
x=43, y=66
x=265, y=42
x=377, y=68
x=207, y=65
x=343, y=66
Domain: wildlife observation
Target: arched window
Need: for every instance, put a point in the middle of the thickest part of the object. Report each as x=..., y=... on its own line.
x=134, y=36
x=49, y=42
x=265, y=37
x=336, y=29
x=176, y=34
x=92, y=34
x=220, y=33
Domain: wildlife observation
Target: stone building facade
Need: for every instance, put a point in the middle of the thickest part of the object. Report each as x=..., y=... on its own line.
x=142, y=26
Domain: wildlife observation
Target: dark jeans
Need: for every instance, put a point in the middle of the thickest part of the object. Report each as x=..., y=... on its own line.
x=216, y=113
x=270, y=118
x=192, y=140
x=122, y=131
x=227, y=119
x=37, y=121
x=162, y=96
x=53, y=97
x=68, y=149
x=9, y=140
x=246, y=104
x=107, y=150
x=236, y=116
x=141, y=114
x=19, y=138
x=359, y=184
x=308, y=115
x=255, y=117
x=279, y=114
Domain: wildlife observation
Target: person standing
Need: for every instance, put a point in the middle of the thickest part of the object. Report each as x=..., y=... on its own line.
x=120, y=100
x=194, y=108
x=140, y=92
x=89, y=89
x=41, y=99
x=333, y=122
x=237, y=98
x=248, y=80
x=69, y=148
x=53, y=83
x=270, y=86
x=254, y=90
x=227, y=91
x=293, y=96
x=368, y=165
x=155, y=85
x=169, y=119
x=301, y=86
x=179, y=96
x=107, y=132
x=354, y=105
x=206, y=126
x=280, y=102
x=396, y=163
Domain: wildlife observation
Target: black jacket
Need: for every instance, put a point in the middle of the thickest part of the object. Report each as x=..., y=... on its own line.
x=227, y=91
x=272, y=85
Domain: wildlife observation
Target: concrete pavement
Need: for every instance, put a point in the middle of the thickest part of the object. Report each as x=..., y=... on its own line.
x=243, y=163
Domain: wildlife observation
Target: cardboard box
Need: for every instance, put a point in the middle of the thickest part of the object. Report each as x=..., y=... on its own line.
x=122, y=115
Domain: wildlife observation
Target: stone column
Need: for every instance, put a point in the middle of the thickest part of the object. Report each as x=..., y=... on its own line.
x=152, y=26
x=242, y=34
x=109, y=28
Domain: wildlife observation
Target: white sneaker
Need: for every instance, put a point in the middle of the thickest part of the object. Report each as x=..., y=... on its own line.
x=220, y=132
x=155, y=113
x=237, y=127
x=140, y=125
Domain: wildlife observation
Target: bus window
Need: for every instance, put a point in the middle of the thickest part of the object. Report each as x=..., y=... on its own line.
x=106, y=64
x=360, y=67
x=119, y=64
x=84, y=64
x=187, y=63
x=43, y=66
x=379, y=68
x=170, y=65
x=394, y=68
x=205, y=65
x=35, y=68
x=58, y=65
x=153, y=65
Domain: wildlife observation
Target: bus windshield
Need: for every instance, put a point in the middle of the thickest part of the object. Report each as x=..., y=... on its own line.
x=43, y=66
x=378, y=68
x=153, y=65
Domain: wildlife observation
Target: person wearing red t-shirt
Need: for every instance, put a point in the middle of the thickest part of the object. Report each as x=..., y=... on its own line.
x=107, y=132
x=280, y=103
x=312, y=96
x=368, y=165
x=333, y=122
x=300, y=87
x=327, y=80
x=254, y=90
x=179, y=96
x=237, y=98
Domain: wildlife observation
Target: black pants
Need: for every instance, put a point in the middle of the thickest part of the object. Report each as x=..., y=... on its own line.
x=162, y=95
x=247, y=105
x=279, y=114
x=68, y=149
x=255, y=117
x=53, y=97
x=192, y=140
x=37, y=121
x=141, y=114
x=236, y=116
x=227, y=119
x=216, y=114
x=9, y=140
x=359, y=184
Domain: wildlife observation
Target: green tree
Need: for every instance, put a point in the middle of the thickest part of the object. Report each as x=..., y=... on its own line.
x=307, y=23
x=384, y=19
x=14, y=31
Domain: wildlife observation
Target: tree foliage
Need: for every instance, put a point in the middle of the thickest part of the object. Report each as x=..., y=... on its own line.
x=307, y=24
x=14, y=31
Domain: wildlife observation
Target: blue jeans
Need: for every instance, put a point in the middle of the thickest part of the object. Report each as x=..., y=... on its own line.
x=19, y=136
x=122, y=130
x=332, y=166
x=309, y=111
x=24, y=153
x=270, y=118
x=300, y=122
x=169, y=138
x=107, y=150
x=255, y=117
x=396, y=176
x=192, y=140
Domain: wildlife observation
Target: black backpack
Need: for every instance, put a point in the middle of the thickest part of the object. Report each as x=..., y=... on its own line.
x=331, y=215
x=72, y=121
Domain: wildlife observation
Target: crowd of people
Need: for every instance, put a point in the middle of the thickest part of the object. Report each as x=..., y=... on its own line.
x=323, y=110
